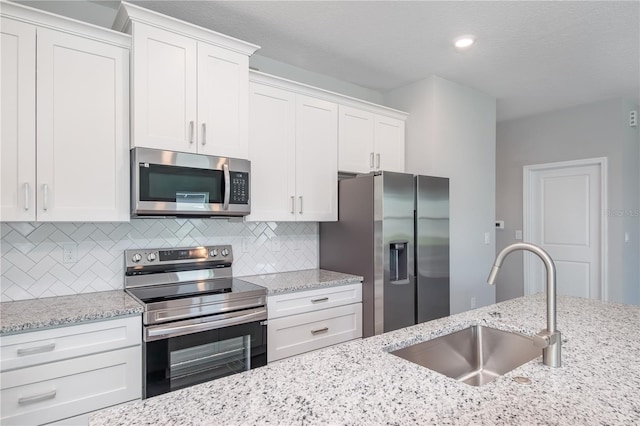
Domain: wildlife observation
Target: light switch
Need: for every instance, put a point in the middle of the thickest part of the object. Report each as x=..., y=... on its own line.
x=487, y=238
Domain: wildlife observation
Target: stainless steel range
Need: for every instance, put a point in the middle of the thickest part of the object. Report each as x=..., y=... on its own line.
x=199, y=322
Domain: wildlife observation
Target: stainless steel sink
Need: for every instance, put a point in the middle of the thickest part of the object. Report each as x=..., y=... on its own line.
x=475, y=355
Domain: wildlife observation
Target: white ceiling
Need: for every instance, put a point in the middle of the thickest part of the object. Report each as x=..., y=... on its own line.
x=533, y=56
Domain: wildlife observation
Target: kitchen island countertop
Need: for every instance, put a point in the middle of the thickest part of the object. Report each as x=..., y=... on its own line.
x=309, y=279
x=360, y=383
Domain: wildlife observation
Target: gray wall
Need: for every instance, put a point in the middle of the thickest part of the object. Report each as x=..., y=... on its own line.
x=290, y=72
x=450, y=132
x=587, y=131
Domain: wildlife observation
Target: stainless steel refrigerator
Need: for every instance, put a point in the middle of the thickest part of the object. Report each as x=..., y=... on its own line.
x=392, y=229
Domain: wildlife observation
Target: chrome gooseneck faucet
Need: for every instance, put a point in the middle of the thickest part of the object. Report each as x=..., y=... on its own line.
x=549, y=339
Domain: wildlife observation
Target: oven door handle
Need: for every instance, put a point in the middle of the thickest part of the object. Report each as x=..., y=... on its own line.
x=167, y=331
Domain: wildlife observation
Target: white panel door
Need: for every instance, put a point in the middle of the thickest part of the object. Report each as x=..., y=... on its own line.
x=355, y=140
x=82, y=132
x=164, y=89
x=566, y=222
x=223, y=84
x=316, y=159
x=272, y=153
x=18, y=127
x=389, y=144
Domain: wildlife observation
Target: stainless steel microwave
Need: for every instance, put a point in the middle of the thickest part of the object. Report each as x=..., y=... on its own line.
x=168, y=183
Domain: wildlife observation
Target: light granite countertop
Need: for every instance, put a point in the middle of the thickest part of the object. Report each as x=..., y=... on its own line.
x=30, y=315
x=287, y=282
x=360, y=383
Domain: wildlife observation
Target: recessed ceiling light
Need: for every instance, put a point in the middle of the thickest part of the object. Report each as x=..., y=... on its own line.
x=464, y=42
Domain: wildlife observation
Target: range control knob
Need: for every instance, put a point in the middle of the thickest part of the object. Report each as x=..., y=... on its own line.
x=136, y=258
x=213, y=253
x=225, y=252
x=151, y=257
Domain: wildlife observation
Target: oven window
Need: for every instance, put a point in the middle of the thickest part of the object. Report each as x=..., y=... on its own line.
x=182, y=361
x=211, y=360
x=162, y=183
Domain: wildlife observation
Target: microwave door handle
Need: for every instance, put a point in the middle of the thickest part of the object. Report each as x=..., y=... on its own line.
x=227, y=186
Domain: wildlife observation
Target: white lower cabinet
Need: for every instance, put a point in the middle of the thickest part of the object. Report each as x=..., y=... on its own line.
x=308, y=320
x=52, y=375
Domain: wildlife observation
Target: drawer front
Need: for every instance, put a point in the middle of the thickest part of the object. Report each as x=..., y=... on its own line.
x=64, y=389
x=296, y=334
x=313, y=300
x=38, y=347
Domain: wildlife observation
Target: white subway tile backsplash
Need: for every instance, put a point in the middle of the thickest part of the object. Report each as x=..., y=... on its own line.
x=32, y=265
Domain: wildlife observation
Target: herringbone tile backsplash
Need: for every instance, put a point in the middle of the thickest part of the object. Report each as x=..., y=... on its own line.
x=32, y=263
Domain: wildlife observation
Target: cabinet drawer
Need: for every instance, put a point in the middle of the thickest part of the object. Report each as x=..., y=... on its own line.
x=296, y=334
x=37, y=347
x=312, y=300
x=63, y=389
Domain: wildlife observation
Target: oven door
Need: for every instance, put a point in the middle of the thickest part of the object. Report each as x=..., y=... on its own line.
x=177, y=362
x=175, y=183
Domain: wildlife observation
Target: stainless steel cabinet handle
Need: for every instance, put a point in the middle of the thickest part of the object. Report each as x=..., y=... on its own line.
x=227, y=186
x=300, y=204
x=293, y=204
x=37, y=398
x=371, y=160
x=36, y=350
x=378, y=161
x=204, y=133
x=45, y=197
x=191, y=124
x=320, y=330
x=323, y=299
x=26, y=196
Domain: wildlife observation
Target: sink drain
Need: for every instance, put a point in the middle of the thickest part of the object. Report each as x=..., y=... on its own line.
x=522, y=380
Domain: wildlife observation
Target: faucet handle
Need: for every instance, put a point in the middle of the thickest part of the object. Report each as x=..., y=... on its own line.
x=543, y=338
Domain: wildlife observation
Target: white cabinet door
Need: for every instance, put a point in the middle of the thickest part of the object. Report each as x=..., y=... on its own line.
x=389, y=144
x=18, y=97
x=272, y=153
x=82, y=129
x=223, y=81
x=316, y=159
x=164, y=89
x=355, y=140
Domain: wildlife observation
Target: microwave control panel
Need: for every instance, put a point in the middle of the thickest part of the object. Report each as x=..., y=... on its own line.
x=239, y=188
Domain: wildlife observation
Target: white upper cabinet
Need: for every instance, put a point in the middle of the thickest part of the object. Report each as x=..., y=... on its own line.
x=79, y=117
x=316, y=159
x=388, y=142
x=190, y=85
x=370, y=141
x=18, y=97
x=293, y=153
x=223, y=93
x=356, y=151
x=163, y=95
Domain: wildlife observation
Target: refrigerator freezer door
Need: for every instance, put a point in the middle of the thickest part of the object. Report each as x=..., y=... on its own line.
x=394, y=219
x=432, y=248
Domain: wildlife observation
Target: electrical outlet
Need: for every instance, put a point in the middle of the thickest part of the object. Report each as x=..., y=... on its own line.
x=275, y=244
x=518, y=234
x=245, y=244
x=69, y=253
x=487, y=238
x=472, y=303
